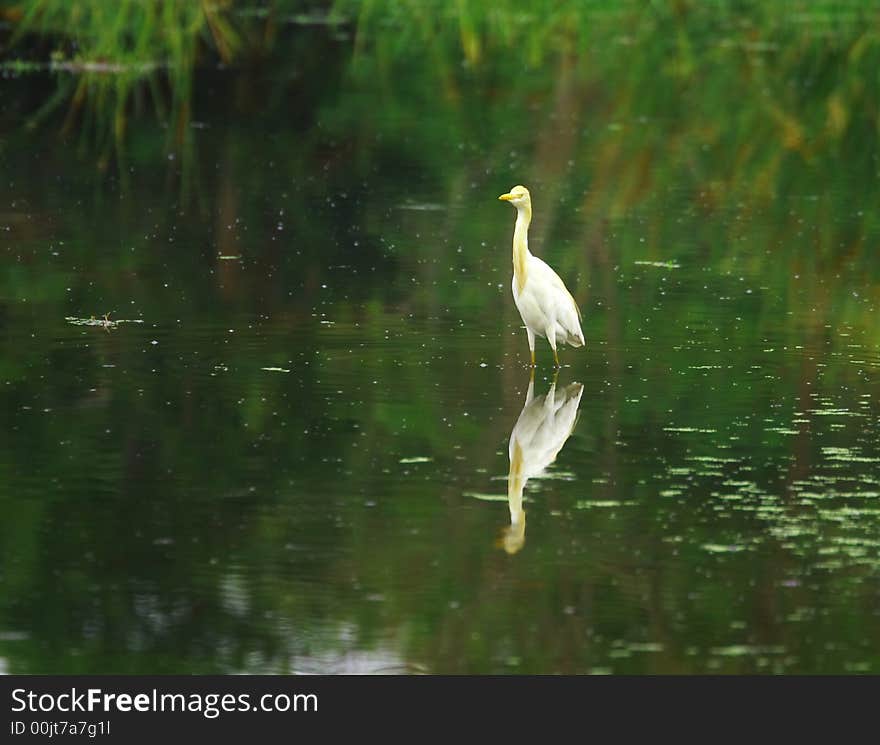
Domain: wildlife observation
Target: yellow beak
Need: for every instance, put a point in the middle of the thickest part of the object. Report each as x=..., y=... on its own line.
x=506, y=197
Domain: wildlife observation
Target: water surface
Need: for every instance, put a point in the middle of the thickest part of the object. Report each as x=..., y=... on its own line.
x=285, y=448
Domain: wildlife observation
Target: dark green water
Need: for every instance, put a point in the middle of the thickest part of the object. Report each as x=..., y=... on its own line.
x=287, y=451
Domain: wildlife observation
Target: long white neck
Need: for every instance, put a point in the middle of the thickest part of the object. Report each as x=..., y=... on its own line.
x=515, y=535
x=521, y=244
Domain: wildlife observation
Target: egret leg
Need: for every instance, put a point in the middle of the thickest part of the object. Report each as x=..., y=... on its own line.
x=551, y=337
x=531, y=344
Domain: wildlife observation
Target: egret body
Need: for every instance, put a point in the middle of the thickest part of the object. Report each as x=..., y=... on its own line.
x=546, y=306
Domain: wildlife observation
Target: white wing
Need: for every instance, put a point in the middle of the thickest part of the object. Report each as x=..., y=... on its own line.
x=552, y=294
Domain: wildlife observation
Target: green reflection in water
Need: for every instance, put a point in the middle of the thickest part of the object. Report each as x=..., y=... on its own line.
x=271, y=472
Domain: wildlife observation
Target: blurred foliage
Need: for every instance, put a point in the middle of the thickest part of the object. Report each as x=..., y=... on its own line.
x=115, y=58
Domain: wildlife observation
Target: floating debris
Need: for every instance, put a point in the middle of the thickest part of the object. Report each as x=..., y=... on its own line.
x=741, y=650
x=659, y=264
x=717, y=548
x=701, y=430
x=104, y=68
x=835, y=412
x=556, y=476
x=103, y=322
x=275, y=369
x=417, y=459
x=583, y=504
x=485, y=497
x=229, y=257
x=847, y=455
x=80, y=66
x=713, y=459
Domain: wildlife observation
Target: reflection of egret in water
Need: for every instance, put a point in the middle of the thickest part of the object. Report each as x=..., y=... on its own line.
x=544, y=425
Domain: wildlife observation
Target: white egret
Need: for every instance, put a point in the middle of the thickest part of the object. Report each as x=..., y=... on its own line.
x=543, y=427
x=546, y=306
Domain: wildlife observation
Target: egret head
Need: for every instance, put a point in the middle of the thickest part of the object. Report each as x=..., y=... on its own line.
x=513, y=536
x=518, y=196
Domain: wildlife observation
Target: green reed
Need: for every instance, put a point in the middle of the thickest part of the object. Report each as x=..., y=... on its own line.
x=115, y=59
